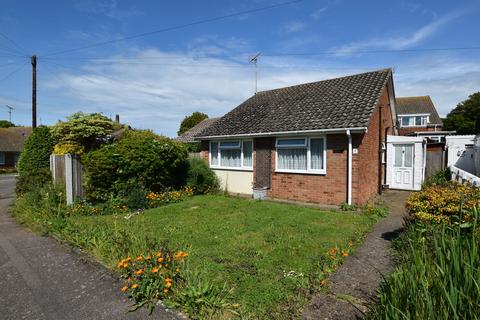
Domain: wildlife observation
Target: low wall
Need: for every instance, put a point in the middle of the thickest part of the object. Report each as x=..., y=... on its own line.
x=463, y=176
x=235, y=181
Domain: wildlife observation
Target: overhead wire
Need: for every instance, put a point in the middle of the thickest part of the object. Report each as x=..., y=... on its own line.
x=177, y=27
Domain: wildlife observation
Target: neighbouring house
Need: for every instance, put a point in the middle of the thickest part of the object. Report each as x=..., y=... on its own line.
x=320, y=142
x=11, y=144
x=190, y=135
x=417, y=116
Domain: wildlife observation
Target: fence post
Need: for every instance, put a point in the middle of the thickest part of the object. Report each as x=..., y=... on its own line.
x=69, y=178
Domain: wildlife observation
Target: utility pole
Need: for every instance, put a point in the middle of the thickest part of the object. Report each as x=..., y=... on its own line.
x=254, y=60
x=34, y=91
x=10, y=109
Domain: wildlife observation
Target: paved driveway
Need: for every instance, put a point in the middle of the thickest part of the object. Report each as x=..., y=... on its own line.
x=41, y=279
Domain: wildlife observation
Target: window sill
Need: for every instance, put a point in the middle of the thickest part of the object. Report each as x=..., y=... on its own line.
x=323, y=172
x=419, y=126
x=232, y=168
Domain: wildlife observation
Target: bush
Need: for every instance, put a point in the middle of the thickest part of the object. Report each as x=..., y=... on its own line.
x=443, y=203
x=201, y=178
x=140, y=158
x=68, y=148
x=29, y=181
x=441, y=178
x=36, y=152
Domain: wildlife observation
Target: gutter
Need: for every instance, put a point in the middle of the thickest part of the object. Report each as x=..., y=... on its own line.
x=349, y=168
x=286, y=133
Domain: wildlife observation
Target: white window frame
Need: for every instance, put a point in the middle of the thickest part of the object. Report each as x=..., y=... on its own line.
x=309, y=155
x=219, y=148
x=2, y=158
x=422, y=115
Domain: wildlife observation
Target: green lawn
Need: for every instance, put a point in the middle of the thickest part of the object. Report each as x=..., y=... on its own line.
x=246, y=244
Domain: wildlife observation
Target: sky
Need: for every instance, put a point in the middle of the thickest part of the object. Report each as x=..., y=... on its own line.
x=176, y=57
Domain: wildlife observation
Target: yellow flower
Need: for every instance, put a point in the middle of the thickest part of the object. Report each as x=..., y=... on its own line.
x=160, y=259
x=124, y=289
x=139, y=258
x=134, y=286
x=139, y=272
x=168, y=282
x=155, y=270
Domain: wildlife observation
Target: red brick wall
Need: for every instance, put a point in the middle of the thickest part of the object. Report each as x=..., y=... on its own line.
x=204, y=146
x=407, y=130
x=324, y=189
x=366, y=169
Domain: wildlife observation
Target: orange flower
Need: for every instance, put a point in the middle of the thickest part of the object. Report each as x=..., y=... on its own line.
x=159, y=254
x=139, y=258
x=160, y=259
x=139, y=272
x=165, y=291
x=134, y=286
x=323, y=282
x=168, y=282
x=344, y=253
x=148, y=258
x=180, y=255
x=124, y=289
x=155, y=270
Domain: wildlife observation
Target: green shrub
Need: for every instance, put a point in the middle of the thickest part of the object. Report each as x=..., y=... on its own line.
x=156, y=163
x=201, y=178
x=36, y=151
x=441, y=178
x=31, y=180
x=443, y=203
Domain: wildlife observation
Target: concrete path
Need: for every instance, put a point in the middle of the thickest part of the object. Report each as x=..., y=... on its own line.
x=42, y=279
x=353, y=286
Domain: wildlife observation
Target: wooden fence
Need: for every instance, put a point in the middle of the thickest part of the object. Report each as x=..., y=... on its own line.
x=67, y=170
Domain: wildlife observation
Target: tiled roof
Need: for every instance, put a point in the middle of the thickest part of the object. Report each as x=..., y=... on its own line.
x=12, y=139
x=418, y=105
x=189, y=136
x=346, y=102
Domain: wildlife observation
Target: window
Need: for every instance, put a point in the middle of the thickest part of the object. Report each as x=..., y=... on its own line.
x=301, y=155
x=403, y=156
x=414, y=120
x=235, y=154
x=2, y=157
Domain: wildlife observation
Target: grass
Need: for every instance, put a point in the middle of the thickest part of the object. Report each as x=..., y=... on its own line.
x=438, y=276
x=250, y=246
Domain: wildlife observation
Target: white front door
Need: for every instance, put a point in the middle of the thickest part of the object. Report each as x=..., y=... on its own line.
x=403, y=166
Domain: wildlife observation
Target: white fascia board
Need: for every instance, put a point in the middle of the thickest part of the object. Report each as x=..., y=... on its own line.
x=288, y=133
x=404, y=139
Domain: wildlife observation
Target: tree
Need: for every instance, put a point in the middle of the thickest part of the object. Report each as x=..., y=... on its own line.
x=462, y=117
x=6, y=124
x=34, y=162
x=191, y=121
x=83, y=130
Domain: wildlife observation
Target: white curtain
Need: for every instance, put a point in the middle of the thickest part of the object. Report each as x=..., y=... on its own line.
x=316, y=153
x=292, y=159
x=230, y=158
x=247, y=153
x=214, y=153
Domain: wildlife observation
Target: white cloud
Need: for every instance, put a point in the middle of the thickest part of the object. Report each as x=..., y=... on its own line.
x=400, y=42
x=156, y=89
x=318, y=13
x=293, y=26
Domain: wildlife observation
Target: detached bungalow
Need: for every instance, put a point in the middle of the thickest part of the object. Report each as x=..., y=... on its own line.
x=11, y=144
x=320, y=142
